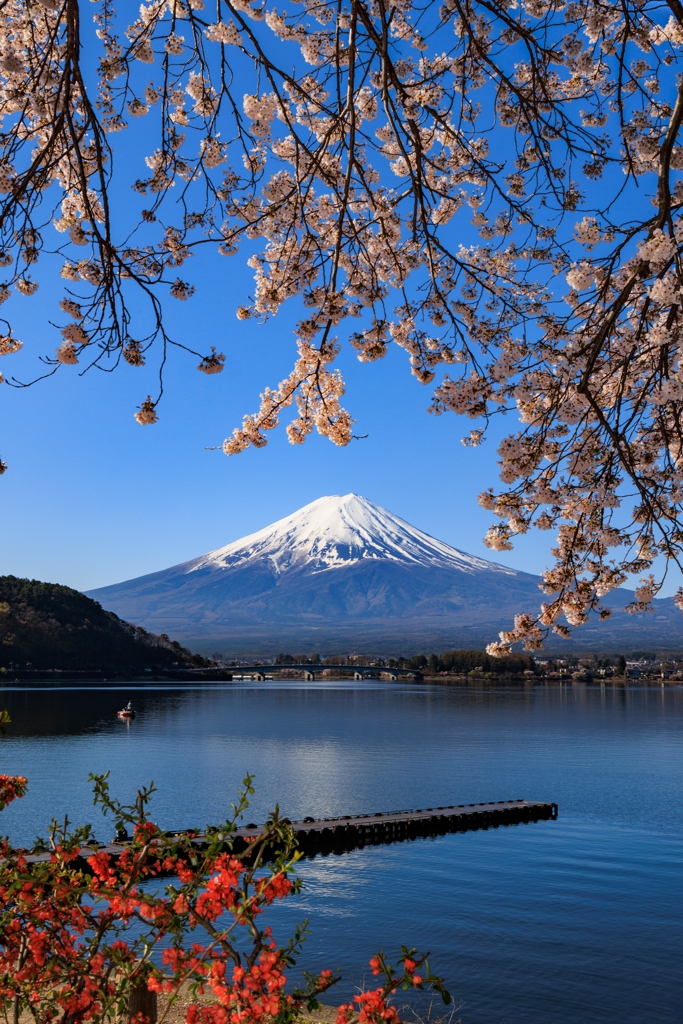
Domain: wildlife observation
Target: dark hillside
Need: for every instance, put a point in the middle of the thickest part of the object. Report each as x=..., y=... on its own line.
x=54, y=627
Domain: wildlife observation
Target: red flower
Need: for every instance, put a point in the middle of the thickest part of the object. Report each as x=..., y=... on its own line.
x=12, y=787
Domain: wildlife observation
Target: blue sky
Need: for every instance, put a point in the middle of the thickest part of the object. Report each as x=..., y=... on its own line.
x=91, y=497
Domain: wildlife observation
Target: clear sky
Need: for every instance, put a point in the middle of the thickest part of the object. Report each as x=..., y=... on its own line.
x=92, y=498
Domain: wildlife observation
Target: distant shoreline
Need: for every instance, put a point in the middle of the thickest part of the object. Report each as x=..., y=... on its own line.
x=540, y=680
x=480, y=680
x=110, y=677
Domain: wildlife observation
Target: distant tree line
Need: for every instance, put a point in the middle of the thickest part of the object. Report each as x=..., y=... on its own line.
x=456, y=663
x=297, y=659
x=451, y=662
x=462, y=662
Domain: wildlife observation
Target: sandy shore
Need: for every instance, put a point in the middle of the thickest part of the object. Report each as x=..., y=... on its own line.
x=176, y=1013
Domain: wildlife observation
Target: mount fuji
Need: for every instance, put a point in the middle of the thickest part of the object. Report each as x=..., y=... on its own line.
x=344, y=573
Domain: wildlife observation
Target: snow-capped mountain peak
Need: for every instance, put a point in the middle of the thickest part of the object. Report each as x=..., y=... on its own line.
x=344, y=574
x=336, y=531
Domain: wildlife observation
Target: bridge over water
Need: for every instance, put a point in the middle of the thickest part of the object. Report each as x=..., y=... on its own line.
x=309, y=672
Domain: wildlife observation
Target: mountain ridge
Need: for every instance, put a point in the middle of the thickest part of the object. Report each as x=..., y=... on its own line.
x=350, y=521
x=342, y=570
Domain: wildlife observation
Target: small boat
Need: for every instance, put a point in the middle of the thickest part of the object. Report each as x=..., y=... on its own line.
x=126, y=712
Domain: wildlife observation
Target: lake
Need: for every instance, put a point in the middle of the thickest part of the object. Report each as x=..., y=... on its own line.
x=577, y=920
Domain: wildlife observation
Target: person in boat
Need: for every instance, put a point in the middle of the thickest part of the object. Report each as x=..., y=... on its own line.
x=129, y=706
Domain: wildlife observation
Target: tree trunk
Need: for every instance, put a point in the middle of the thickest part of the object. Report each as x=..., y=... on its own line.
x=141, y=1000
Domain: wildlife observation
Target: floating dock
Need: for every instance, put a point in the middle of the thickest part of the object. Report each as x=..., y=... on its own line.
x=319, y=837
x=340, y=835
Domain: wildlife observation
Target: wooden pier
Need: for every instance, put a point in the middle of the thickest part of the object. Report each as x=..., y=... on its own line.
x=352, y=832
x=340, y=835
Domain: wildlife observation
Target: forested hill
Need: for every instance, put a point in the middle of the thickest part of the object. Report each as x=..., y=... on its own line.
x=54, y=627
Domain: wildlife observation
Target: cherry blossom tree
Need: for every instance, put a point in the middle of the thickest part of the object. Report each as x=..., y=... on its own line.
x=493, y=187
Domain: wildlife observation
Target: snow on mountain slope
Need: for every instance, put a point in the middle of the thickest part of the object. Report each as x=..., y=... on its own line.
x=345, y=570
x=340, y=561
x=337, y=531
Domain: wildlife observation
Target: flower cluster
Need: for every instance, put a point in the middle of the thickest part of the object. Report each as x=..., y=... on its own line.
x=316, y=392
x=372, y=1006
x=147, y=413
x=12, y=787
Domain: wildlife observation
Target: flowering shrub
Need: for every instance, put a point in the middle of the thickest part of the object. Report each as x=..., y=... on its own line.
x=82, y=926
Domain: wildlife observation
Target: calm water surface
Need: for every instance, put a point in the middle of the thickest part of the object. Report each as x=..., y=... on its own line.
x=575, y=920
